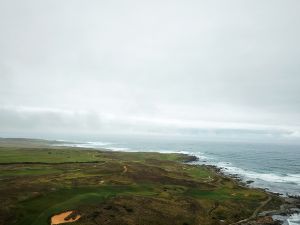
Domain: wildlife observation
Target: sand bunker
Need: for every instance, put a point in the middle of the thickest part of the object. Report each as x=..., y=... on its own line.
x=61, y=218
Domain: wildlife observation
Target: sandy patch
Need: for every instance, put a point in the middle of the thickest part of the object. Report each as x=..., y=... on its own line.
x=61, y=218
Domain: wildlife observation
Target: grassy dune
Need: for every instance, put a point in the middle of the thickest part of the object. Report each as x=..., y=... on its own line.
x=118, y=188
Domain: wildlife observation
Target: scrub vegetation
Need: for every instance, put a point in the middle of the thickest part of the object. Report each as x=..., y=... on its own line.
x=106, y=187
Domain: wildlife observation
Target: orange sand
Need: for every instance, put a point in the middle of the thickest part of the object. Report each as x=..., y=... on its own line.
x=60, y=218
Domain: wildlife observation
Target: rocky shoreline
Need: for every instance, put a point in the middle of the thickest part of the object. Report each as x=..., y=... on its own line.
x=290, y=204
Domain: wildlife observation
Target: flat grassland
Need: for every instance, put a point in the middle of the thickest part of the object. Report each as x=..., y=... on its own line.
x=103, y=187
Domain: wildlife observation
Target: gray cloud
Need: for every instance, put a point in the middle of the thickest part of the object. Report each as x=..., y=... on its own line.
x=158, y=67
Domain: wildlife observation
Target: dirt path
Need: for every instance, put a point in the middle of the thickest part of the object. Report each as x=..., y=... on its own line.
x=256, y=211
x=125, y=169
x=61, y=218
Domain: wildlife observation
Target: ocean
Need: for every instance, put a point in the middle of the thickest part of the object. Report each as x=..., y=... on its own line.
x=275, y=167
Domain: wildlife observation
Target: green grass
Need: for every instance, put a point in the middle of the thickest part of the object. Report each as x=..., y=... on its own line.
x=199, y=172
x=220, y=194
x=29, y=171
x=17, y=155
x=38, y=211
x=39, y=182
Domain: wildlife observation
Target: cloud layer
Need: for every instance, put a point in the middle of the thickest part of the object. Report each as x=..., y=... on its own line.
x=164, y=67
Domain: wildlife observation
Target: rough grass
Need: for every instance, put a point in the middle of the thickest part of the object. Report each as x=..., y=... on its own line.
x=155, y=188
x=37, y=211
x=44, y=155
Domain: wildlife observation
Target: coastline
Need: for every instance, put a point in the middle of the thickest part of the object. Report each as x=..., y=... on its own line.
x=260, y=165
x=290, y=204
x=134, y=177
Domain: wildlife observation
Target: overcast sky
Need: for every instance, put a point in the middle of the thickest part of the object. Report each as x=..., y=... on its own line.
x=201, y=69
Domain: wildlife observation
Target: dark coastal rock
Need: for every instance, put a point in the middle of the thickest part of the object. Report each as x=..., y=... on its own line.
x=190, y=158
x=294, y=196
x=249, y=181
x=266, y=220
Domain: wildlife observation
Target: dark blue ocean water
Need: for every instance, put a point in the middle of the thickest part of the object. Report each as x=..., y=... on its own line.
x=272, y=166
